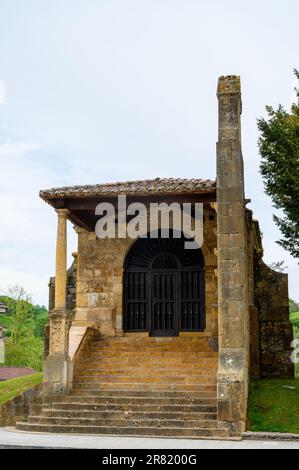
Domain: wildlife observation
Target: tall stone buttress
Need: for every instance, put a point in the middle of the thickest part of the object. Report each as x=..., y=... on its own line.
x=232, y=260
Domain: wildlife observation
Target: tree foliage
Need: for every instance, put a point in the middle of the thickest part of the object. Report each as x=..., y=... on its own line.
x=279, y=150
x=41, y=319
x=25, y=332
x=22, y=313
x=293, y=306
x=28, y=352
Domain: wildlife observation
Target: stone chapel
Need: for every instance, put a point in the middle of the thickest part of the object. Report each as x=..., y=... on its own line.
x=147, y=338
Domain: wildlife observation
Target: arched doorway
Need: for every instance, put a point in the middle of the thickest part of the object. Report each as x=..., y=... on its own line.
x=163, y=287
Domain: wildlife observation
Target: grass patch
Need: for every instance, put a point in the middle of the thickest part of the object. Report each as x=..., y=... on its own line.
x=274, y=405
x=296, y=335
x=13, y=387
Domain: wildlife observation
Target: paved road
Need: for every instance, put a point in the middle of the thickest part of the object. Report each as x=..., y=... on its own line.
x=11, y=437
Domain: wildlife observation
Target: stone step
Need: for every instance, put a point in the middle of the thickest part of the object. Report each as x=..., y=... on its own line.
x=35, y=408
x=127, y=400
x=162, y=343
x=145, y=344
x=138, y=352
x=124, y=422
x=134, y=338
x=141, y=352
x=129, y=431
x=149, y=341
x=147, y=373
x=138, y=386
x=151, y=415
x=145, y=394
x=208, y=407
x=139, y=362
x=201, y=351
x=153, y=379
x=141, y=386
x=150, y=365
x=99, y=369
x=136, y=361
x=148, y=344
x=176, y=341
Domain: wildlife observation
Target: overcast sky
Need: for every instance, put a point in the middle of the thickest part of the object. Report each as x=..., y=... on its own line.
x=104, y=90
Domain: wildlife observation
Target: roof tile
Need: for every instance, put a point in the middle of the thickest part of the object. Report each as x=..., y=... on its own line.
x=158, y=185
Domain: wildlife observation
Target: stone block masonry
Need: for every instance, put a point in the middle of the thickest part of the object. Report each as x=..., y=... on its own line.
x=232, y=263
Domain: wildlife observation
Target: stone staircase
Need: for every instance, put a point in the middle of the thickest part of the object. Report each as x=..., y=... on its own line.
x=138, y=386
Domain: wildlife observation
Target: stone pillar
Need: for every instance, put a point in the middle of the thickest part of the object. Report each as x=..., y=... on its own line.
x=56, y=367
x=60, y=272
x=232, y=260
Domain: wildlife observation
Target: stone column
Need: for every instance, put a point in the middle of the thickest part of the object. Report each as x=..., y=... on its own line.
x=232, y=260
x=60, y=273
x=56, y=367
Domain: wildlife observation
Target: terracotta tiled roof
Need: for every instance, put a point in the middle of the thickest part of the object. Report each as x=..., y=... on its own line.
x=13, y=372
x=158, y=185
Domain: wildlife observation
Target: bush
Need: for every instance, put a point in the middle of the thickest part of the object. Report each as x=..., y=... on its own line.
x=6, y=322
x=27, y=353
x=294, y=317
x=293, y=306
x=40, y=322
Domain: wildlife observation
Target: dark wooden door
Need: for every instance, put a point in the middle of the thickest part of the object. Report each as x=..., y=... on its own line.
x=191, y=301
x=164, y=303
x=163, y=287
x=136, y=301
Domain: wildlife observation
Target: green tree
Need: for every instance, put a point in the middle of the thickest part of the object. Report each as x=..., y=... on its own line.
x=279, y=150
x=22, y=314
x=41, y=319
x=24, y=343
x=293, y=306
x=28, y=352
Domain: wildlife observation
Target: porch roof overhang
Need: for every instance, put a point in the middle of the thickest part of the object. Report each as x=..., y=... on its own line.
x=81, y=201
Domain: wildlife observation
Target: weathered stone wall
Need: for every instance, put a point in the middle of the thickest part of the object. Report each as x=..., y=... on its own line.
x=253, y=326
x=275, y=331
x=211, y=275
x=70, y=287
x=99, y=283
x=271, y=332
x=18, y=408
